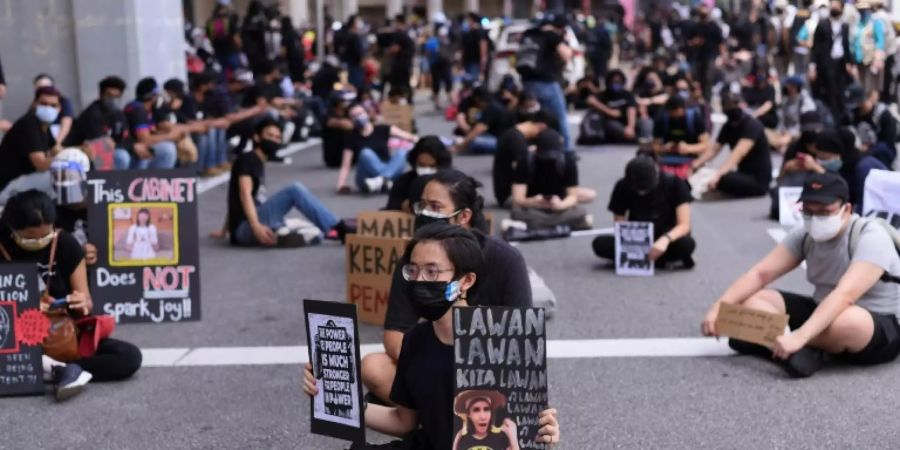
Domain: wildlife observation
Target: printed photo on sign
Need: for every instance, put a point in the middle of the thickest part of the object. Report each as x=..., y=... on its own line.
x=333, y=342
x=144, y=234
x=790, y=211
x=500, y=363
x=634, y=240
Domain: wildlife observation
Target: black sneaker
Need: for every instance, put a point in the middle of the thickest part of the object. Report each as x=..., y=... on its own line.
x=804, y=363
x=69, y=380
x=290, y=239
x=749, y=348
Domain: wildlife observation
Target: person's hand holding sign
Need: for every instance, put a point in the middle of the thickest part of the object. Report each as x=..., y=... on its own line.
x=509, y=429
x=549, y=431
x=659, y=247
x=708, y=326
x=309, y=381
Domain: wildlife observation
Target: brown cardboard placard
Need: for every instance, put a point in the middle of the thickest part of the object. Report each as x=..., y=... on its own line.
x=385, y=224
x=750, y=325
x=400, y=116
x=370, y=267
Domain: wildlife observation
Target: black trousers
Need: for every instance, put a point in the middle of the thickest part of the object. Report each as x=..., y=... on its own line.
x=737, y=184
x=831, y=80
x=679, y=250
x=114, y=361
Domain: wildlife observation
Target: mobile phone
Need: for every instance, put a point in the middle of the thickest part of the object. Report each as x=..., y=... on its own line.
x=59, y=303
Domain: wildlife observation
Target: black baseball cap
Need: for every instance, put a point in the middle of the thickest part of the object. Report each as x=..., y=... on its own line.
x=642, y=173
x=548, y=141
x=825, y=188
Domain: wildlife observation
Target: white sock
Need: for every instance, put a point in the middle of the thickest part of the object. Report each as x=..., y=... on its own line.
x=48, y=364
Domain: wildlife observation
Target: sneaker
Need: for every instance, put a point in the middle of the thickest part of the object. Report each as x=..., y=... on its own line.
x=506, y=224
x=69, y=381
x=337, y=233
x=804, y=363
x=749, y=348
x=289, y=238
x=374, y=184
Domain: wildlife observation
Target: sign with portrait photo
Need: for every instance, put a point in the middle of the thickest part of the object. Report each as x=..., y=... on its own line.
x=500, y=364
x=634, y=240
x=144, y=225
x=23, y=328
x=333, y=341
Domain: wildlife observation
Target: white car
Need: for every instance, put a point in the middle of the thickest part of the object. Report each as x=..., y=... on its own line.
x=508, y=44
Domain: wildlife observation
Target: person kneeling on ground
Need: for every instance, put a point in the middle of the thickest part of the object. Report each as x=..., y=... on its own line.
x=853, y=264
x=442, y=265
x=648, y=195
x=27, y=235
x=254, y=220
x=427, y=157
x=545, y=192
x=452, y=197
x=748, y=170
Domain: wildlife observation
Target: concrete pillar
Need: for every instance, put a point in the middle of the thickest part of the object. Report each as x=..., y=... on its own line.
x=393, y=7
x=472, y=5
x=299, y=11
x=435, y=6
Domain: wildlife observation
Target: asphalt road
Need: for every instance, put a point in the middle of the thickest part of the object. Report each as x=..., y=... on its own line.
x=252, y=298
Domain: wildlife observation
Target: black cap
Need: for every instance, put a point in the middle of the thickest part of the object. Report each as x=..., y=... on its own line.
x=642, y=173
x=825, y=188
x=145, y=89
x=830, y=141
x=549, y=140
x=810, y=121
x=853, y=96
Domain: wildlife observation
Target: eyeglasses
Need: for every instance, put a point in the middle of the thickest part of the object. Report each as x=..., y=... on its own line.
x=430, y=272
x=825, y=213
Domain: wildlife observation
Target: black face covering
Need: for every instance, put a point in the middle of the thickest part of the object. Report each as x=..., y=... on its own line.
x=270, y=148
x=432, y=299
x=421, y=220
x=734, y=114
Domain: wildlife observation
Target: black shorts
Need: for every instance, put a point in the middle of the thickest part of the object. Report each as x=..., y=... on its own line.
x=884, y=346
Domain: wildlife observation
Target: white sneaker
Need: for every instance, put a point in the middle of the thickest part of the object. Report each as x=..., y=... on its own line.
x=506, y=224
x=70, y=380
x=375, y=184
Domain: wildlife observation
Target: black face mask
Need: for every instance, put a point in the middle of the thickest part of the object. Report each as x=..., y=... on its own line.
x=421, y=220
x=270, y=148
x=432, y=299
x=836, y=13
x=734, y=114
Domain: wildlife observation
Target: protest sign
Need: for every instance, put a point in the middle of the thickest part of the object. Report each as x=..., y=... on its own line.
x=633, y=243
x=144, y=224
x=750, y=325
x=500, y=363
x=881, y=196
x=333, y=338
x=385, y=224
x=23, y=328
x=398, y=115
x=789, y=207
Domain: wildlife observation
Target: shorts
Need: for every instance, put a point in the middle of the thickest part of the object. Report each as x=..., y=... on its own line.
x=884, y=346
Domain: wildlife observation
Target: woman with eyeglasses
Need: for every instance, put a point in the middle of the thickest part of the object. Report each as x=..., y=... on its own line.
x=443, y=266
x=449, y=197
x=27, y=234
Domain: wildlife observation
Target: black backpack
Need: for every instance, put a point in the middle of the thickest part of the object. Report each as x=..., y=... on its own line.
x=591, y=131
x=530, y=53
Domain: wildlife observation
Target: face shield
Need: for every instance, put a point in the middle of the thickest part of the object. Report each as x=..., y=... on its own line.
x=69, y=173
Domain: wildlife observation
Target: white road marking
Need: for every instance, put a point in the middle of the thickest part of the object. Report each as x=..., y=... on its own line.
x=207, y=184
x=556, y=349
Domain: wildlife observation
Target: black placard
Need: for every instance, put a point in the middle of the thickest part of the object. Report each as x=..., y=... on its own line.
x=23, y=328
x=333, y=335
x=144, y=272
x=500, y=359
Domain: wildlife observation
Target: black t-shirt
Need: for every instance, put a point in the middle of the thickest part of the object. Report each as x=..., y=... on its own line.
x=425, y=383
x=189, y=111
x=546, y=175
x=352, y=51
x=259, y=90
x=757, y=162
x=471, y=45
x=755, y=97
x=97, y=121
x=246, y=164
x=712, y=38
x=657, y=206
x=216, y=103
x=377, y=141
x=221, y=29
x=497, y=118
x=138, y=118
x=493, y=441
x=685, y=129
x=504, y=282
x=24, y=138
x=621, y=100
x=71, y=220
x=323, y=81
x=512, y=151
x=68, y=256
x=551, y=65
x=403, y=59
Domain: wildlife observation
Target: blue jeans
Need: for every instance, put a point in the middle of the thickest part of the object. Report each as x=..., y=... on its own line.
x=485, y=143
x=356, y=77
x=165, y=155
x=122, y=159
x=369, y=165
x=550, y=95
x=473, y=70
x=272, y=212
x=212, y=149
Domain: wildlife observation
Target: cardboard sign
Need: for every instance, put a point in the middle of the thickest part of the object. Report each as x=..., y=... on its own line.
x=23, y=328
x=370, y=268
x=400, y=116
x=333, y=337
x=385, y=224
x=500, y=360
x=881, y=194
x=633, y=243
x=750, y=325
x=790, y=211
x=144, y=224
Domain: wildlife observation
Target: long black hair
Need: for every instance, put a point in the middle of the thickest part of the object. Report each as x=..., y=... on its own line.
x=461, y=246
x=431, y=145
x=31, y=208
x=137, y=219
x=464, y=193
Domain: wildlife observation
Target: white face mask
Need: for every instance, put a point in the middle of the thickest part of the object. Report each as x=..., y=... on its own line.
x=822, y=229
x=425, y=170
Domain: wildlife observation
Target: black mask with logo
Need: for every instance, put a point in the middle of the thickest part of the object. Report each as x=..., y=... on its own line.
x=432, y=299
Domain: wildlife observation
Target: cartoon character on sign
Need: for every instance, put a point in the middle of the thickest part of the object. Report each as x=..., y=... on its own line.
x=478, y=411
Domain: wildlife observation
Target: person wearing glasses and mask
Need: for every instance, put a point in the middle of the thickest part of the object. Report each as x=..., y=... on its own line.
x=853, y=265
x=443, y=267
x=449, y=197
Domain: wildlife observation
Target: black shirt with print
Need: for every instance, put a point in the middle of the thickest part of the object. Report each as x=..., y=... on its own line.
x=247, y=164
x=28, y=135
x=68, y=256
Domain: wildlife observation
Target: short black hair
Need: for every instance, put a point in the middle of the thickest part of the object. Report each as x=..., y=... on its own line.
x=42, y=76
x=202, y=79
x=112, y=82
x=464, y=193
x=263, y=124
x=615, y=73
x=146, y=89
x=431, y=145
x=674, y=102
x=31, y=208
x=461, y=246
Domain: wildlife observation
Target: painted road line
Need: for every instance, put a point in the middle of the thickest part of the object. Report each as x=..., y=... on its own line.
x=556, y=349
x=208, y=184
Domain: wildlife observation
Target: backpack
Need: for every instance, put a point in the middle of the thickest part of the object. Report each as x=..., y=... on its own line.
x=530, y=52
x=219, y=28
x=856, y=229
x=591, y=131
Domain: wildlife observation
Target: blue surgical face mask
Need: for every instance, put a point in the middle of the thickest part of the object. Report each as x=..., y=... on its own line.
x=46, y=114
x=831, y=165
x=684, y=93
x=616, y=87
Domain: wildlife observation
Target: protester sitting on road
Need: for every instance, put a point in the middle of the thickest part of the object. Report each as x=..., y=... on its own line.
x=28, y=235
x=427, y=157
x=748, y=170
x=210, y=146
x=443, y=267
x=545, y=191
x=799, y=161
x=492, y=119
x=679, y=136
x=63, y=123
x=852, y=312
x=451, y=197
x=834, y=152
x=336, y=126
x=651, y=98
x=154, y=148
x=512, y=151
x=369, y=147
x=647, y=194
x=255, y=220
x=759, y=96
x=873, y=124
x=618, y=110
x=27, y=149
x=466, y=109
x=104, y=119
x=795, y=101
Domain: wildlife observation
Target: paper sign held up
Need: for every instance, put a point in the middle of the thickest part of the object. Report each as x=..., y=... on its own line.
x=750, y=325
x=385, y=224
